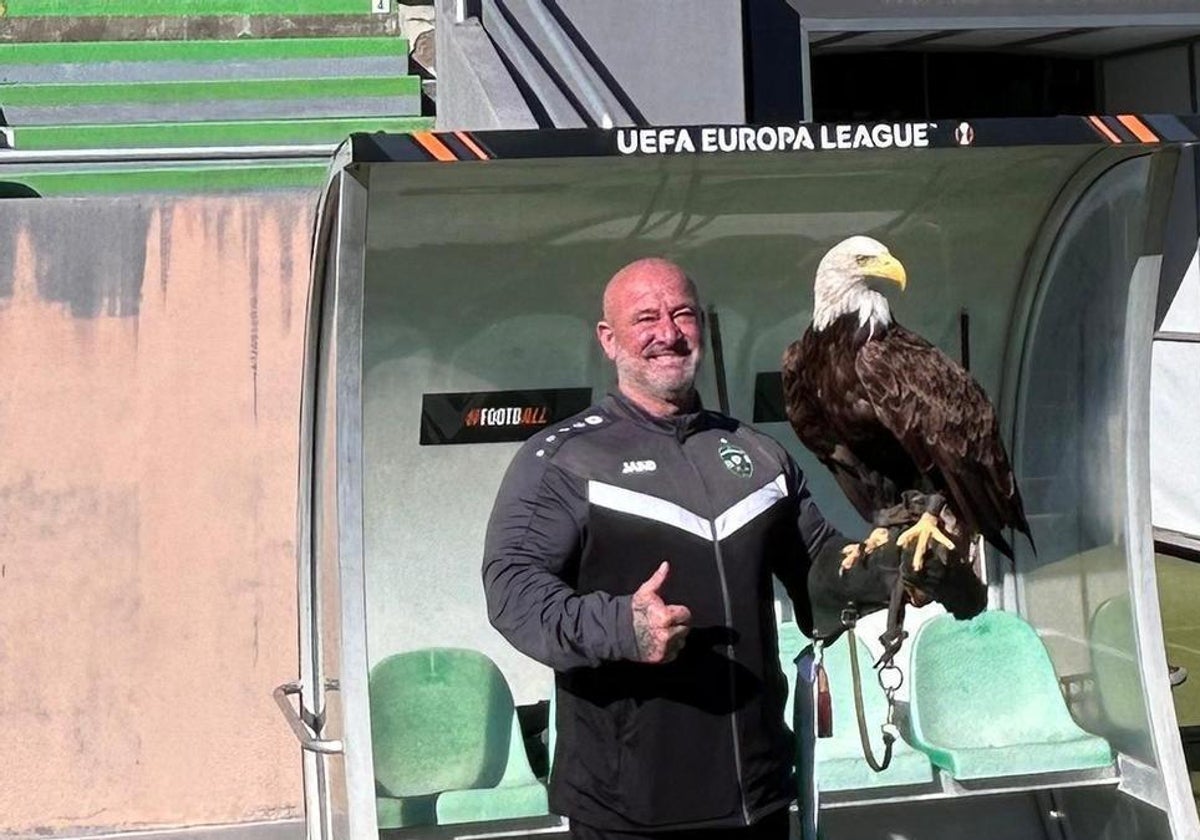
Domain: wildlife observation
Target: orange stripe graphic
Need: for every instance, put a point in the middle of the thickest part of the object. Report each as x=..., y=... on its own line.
x=1103, y=129
x=470, y=144
x=433, y=145
x=1140, y=130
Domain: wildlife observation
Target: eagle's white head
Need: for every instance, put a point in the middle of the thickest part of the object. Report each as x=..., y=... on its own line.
x=842, y=283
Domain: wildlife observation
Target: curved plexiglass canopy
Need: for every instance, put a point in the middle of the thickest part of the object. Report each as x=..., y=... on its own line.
x=1037, y=254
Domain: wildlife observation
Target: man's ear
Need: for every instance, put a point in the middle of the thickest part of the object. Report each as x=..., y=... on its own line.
x=607, y=339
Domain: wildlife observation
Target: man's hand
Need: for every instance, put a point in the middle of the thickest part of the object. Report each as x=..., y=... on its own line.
x=658, y=627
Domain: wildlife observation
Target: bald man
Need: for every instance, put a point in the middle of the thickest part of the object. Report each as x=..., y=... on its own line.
x=632, y=550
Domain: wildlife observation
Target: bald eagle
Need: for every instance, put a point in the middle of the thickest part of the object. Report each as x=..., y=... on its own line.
x=910, y=436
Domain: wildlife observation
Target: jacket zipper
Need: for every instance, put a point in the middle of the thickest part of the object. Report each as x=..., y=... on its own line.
x=733, y=715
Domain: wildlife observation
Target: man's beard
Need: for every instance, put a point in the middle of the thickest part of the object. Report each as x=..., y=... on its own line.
x=668, y=385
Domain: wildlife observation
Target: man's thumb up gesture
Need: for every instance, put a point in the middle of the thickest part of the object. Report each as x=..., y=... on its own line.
x=658, y=627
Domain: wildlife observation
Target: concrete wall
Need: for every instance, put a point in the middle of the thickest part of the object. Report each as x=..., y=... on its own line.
x=667, y=62
x=150, y=354
x=678, y=62
x=475, y=90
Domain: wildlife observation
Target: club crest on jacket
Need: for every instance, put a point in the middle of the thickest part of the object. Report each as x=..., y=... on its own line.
x=735, y=459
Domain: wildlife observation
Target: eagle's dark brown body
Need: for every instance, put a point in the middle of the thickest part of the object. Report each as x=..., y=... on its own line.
x=887, y=412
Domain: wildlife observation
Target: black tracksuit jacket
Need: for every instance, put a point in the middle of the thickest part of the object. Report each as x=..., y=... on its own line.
x=586, y=512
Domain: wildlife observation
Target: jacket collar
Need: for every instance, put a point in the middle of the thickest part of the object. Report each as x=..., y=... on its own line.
x=682, y=426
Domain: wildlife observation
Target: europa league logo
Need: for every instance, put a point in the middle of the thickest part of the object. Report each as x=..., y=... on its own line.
x=964, y=134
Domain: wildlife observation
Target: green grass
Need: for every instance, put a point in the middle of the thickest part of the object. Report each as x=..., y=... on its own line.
x=259, y=49
x=1179, y=593
x=173, y=8
x=198, y=179
x=30, y=95
x=235, y=133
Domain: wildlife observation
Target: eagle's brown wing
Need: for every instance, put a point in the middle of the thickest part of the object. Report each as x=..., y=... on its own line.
x=944, y=420
x=811, y=379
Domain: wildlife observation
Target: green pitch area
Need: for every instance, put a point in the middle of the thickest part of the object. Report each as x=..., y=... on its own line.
x=1179, y=596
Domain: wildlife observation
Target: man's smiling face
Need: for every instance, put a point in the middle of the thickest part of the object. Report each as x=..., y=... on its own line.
x=652, y=331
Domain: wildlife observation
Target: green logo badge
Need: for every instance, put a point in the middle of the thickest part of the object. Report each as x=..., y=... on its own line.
x=735, y=459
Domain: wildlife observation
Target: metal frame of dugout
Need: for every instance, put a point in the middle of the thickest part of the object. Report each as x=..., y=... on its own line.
x=1044, y=251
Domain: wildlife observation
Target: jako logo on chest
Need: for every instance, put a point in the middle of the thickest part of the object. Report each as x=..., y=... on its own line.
x=638, y=467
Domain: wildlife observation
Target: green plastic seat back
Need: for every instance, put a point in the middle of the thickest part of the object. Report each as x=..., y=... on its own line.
x=1118, y=683
x=987, y=682
x=441, y=719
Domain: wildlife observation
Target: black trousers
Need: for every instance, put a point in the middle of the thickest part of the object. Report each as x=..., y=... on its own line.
x=771, y=827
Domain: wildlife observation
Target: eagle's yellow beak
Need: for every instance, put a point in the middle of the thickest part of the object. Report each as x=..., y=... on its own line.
x=887, y=267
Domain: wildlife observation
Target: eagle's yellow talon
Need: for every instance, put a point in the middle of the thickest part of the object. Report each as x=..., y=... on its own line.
x=875, y=540
x=925, y=529
x=854, y=552
x=850, y=555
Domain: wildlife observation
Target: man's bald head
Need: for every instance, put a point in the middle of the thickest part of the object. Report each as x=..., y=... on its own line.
x=653, y=332
x=648, y=270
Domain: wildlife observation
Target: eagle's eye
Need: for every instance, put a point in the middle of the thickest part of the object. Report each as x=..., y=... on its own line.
x=862, y=259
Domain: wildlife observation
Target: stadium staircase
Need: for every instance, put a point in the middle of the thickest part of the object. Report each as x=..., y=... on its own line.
x=249, y=77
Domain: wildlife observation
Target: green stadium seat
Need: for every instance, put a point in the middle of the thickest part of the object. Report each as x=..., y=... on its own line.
x=840, y=764
x=1118, y=683
x=447, y=743
x=517, y=794
x=985, y=702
